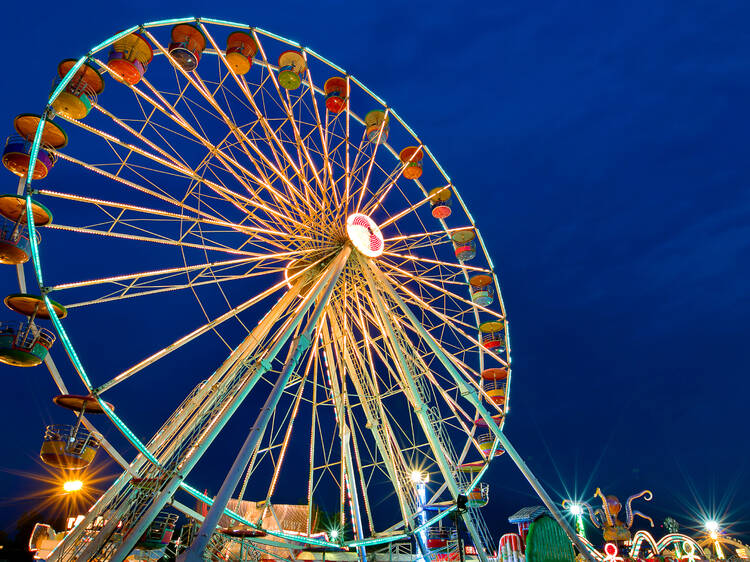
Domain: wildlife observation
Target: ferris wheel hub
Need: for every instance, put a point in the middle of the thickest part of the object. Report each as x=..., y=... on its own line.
x=365, y=235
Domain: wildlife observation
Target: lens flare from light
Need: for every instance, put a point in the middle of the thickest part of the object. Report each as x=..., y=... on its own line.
x=72, y=485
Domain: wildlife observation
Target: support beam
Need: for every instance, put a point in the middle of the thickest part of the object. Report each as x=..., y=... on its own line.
x=299, y=346
x=420, y=408
x=473, y=397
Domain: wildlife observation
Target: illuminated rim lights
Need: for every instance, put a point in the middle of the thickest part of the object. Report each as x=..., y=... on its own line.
x=363, y=232
x=365, y=235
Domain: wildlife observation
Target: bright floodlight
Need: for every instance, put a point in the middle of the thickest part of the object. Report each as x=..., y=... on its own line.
x=72, y=485
x=712, y=526
x=334, y=534
x=365, y=235
x=418, y=477
x=576, y=509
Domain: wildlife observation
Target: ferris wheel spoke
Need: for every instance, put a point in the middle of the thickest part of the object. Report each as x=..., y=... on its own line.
x=169, y=111
x=366, y=180
x=289, y=110
x=319, y=127
x=422, y=281
x=126, y=374
x=472, y=341
x=205, y=93
x=412, y=207
x=312, y=358
x=379, y=424
x=461, y=266
x=200, y=216
x=162, y=272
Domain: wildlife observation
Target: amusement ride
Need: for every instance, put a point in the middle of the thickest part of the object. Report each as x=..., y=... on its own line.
x=234, y=199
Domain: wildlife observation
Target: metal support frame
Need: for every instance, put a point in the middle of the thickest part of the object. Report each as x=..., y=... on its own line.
x=377, y=422
x=473, y=397
x=420, y=408
x=299, y=346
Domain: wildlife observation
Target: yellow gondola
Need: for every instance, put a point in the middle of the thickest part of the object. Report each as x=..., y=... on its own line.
x=291, y=66
x=71, y=447
x=75, y=101
x=377, y=125
x=241, y=49
x=441, y=200
x=493, y=336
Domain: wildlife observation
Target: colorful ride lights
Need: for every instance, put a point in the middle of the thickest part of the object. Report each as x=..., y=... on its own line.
x=75, y=101
x=24, y=344
x=291, y=66
x=17, y=152
x=377, y=126
x=411, y=157
x=129, y=58
x=464, y=245
x=241, y=49
x=337, y=92
x=72, y=486
x=365, y=235
x=575, y=509
x=419, y=477
x=440, y=202
x=14, y=235
x=186, y=48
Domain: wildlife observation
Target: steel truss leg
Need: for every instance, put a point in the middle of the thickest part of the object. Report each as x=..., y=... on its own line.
x=375, y=419
x=420, y=409
x=167, y=433
x=299, y=346
x=471, y=394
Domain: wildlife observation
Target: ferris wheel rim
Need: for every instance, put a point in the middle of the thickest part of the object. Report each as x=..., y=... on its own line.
x=36, y=260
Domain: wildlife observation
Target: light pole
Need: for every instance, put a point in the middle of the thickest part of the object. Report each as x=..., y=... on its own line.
x=419, y=479
x=712, y=527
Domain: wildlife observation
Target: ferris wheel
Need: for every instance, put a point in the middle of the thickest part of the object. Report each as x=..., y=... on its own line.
x=238, y=217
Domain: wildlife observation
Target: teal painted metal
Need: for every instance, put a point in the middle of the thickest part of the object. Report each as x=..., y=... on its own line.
x=278, y=37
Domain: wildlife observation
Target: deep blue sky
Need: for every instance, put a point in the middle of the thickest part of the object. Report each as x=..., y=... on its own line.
x=602, y=148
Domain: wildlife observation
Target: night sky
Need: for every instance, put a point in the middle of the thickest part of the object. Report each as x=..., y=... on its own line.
x=601, y=147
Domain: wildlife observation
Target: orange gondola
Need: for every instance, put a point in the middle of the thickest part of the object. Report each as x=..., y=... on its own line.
x=337, y=91
x=129, y=58
x=14, y=235
x=291, y=66
x=187, y=45
x=377, y=125
x=411, y=157
x=241, y=49
x=17, y=153
x=75, y=101
x=441, y=200
x=464, y=245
